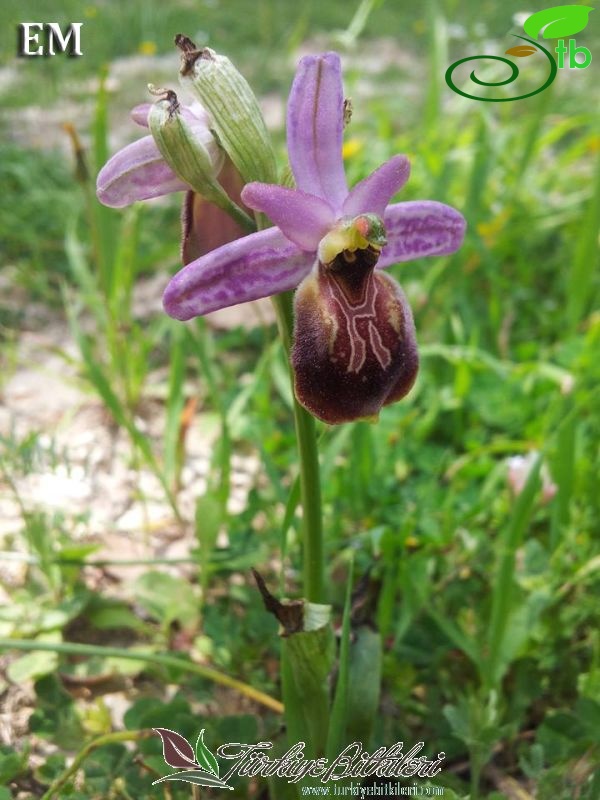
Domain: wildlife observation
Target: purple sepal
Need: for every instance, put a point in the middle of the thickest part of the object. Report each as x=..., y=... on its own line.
x=137, y=172
x=421, y=228
x=259, y=265
x=373, y=194
x=315, y=125
x=303, y=218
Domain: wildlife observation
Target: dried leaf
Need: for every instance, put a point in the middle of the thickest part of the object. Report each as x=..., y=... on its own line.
x=521, y=50
x=177, y=751
x=290, y=613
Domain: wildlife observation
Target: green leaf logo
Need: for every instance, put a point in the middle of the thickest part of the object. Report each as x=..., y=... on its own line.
x=558, y=21
x=204, y=757
x=178, y=753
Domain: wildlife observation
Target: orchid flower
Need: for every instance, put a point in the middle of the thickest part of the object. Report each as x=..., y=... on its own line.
x=354, y=347
x=354, y=340
x=139, y=172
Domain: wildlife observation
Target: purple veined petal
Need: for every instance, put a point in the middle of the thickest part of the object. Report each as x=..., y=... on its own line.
x=315, y=124
x=421, y=228
x=139, y=114
x=302, y=217
x=373, y=194
x=259, y=265
x=137, y=172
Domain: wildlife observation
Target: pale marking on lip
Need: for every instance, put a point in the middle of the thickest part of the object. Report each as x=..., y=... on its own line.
x=350, y=315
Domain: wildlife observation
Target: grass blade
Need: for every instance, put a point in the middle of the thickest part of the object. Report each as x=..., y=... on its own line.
x=503, y=591
x=339, y=708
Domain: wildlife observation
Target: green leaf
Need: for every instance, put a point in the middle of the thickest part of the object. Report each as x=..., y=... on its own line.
x=173, y=441
x=288, y=517
x=558, y=21
x=166, y=598
x=208, y=519
x=33, y=665
x=11, y=765
x=364, y=684
x=503, y=595
x=204, y=757
x=308, y=658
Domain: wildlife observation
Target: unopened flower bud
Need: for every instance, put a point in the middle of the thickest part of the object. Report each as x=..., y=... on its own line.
x=191, y=152
x=236, y=116
x=189, y=148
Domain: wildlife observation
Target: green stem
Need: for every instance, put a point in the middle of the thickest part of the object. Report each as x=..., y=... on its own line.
x=109, y=738
x=475, y=775
x=74, y=648
x=310, y=487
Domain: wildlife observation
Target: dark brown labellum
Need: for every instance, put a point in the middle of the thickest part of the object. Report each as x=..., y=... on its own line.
x=354, y=340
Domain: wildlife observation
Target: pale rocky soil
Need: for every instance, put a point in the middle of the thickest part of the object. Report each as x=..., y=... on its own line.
x=83, y=466
x=83, y=471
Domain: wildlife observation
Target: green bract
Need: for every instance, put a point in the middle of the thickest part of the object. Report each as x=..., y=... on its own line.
x=236, y=117
x=185, y=153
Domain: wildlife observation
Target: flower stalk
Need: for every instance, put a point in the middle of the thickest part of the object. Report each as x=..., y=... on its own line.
x=313, y=564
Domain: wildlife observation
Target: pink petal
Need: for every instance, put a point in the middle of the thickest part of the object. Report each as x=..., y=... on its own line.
x=421, y=228
x=259, y=265
x=137, y=172
x=302, y=217
x=373, y=194
x=315, y=124
x=139, y=114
